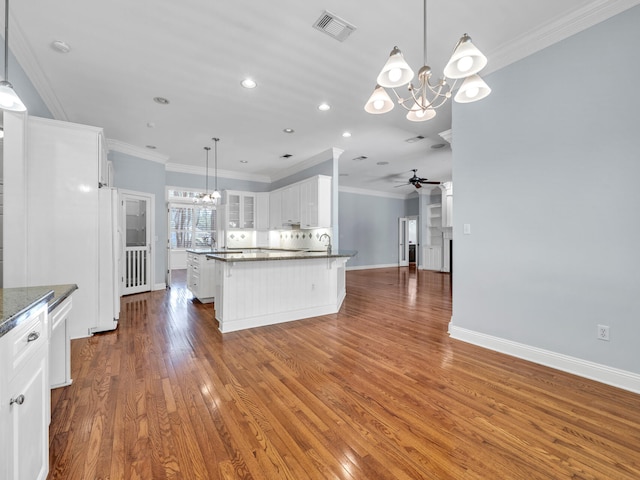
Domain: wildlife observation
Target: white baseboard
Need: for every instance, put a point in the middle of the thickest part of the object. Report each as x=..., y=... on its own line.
x=159, y=286
x=369, y=267
x=594, y=371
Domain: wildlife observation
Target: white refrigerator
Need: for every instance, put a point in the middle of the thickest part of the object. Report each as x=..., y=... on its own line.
x=72, y=221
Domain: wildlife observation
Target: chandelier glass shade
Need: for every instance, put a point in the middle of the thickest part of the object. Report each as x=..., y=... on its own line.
x=423, y=98
x=9, y=99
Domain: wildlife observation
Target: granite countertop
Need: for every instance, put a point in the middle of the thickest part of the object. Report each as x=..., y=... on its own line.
x=267, y=254
x=17, y=303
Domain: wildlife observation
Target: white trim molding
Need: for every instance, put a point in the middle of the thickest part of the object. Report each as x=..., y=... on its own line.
x=138, y=152
x=548, y=34
x=194, y=170
x=583, y=368
x=373, y=193
x=371, y=267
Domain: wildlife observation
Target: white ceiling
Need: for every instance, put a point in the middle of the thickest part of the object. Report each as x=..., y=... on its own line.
x=196, y=52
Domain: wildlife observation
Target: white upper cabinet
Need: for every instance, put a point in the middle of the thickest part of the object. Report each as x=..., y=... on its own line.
x=275, y=209
x=291, y=205
x=262, y=211
x=240, y=210
x=315, y=202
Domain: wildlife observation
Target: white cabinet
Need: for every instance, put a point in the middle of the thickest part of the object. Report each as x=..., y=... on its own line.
x=315, y=202
x=432, y=256
x=291, y=204
x=240, y=210
x=275, y=209
x=60, y=345
x=25, y=399
x=262, y=211
x=201, y=277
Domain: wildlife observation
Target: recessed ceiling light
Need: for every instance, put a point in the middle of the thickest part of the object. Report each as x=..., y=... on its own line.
x=346, y=134
x=360, y=158
x=438, y=145
x=60, y=46
x=286, y=155
x=151, y=125
x=244, y=161
x=248, y=83
x=414, y=139
x=344, y=174
x=324, y=107
x=161, y=100
x=151, y=147
x=382, y=163
x=288, y=130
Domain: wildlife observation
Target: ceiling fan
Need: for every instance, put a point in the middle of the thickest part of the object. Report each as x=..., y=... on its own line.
x=417, y=182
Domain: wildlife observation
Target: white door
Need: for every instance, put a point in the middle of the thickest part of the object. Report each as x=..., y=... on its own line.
x=403, y=242
x=136, y=275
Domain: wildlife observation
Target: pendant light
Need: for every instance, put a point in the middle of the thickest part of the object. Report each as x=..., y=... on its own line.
x=216, y=194
x=205, y=198
x=9, y=99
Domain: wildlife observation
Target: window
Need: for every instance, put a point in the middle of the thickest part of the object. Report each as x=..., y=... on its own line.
x=192, y=226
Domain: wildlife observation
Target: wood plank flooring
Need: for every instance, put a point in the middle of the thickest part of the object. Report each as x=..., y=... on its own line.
x=377, y=391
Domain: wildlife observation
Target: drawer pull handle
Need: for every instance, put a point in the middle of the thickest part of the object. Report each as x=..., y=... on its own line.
x=19, y=400
x=33, y=336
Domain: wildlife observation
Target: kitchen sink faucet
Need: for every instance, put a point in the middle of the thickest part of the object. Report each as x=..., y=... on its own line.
x=328, y=244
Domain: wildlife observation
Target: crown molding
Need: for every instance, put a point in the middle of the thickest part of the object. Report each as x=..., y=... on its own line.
x=36, y=74
x=332, y=153
x=144, y=153
x=373, y=193
x=546, y=35
x=193, y=170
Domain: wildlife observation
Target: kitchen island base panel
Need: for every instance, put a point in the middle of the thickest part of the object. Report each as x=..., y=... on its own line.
x=255, y=294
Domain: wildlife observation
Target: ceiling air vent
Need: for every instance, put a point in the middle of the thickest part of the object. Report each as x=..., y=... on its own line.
x=334, y=26
x=414, y=139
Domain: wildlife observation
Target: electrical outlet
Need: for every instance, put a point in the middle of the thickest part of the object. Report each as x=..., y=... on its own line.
x=603, y=332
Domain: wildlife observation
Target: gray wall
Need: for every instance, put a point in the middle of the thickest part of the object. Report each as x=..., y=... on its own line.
x=369, y=224
x=546, y=172
x=133, y=173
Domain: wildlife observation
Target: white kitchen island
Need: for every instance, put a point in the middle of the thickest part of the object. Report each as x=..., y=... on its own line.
x=261, y=288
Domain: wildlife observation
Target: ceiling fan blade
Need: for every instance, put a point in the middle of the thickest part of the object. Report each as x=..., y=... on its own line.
x=431, y=183
x=403, y=185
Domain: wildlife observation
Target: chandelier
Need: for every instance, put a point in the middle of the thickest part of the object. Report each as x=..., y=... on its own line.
x=422, y=99
x=207, y=198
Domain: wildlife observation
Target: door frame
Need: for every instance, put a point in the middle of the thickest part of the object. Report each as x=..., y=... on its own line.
x=403, y=241
x=150, y=199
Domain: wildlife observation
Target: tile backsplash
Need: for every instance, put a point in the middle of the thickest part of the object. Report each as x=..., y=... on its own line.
x=289, y=239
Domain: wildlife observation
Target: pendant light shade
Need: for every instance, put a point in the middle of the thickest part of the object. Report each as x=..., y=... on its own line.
x=466, y=60
x=419, y=114
x=9, y=99
x=379, y=101
x=472, y=90
x=396, y=72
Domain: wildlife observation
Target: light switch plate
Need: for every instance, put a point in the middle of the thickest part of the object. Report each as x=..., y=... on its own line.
x=467, y=229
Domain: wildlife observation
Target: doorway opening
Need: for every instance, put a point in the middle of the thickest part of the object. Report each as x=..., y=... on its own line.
x=408, y=242
x=136, y=218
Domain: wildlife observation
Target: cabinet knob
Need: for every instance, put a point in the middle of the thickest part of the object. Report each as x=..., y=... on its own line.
x=33, y=336
x=19, y=400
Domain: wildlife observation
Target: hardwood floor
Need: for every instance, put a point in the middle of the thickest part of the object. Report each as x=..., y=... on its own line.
x=377, y=391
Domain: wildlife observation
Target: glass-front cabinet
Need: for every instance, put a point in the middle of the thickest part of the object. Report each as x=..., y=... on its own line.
x=240, y=209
